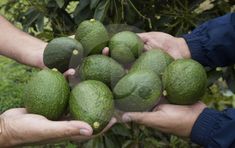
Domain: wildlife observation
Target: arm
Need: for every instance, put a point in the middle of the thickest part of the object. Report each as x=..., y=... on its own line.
x=214, y=129
x=212, y=44
x=20, y=46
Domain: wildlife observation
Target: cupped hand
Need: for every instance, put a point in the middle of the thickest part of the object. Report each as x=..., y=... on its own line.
x=174, y=119
x=176, y=47
x=18, y=127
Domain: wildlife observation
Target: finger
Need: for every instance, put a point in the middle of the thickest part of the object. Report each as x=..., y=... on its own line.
x=15, y=111
x=65, y=129
x=147, y=118
x=78, y=139
x=147, y=47
x=199, y=106
x=105, y=51
x=69, y=72
x=111, y=123
x=143, y=37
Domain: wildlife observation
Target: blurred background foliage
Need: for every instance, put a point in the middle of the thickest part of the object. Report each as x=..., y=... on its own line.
x=47, y=19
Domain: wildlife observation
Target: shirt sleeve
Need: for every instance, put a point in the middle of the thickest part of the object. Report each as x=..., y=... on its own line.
x=214, y=129
x=213, y=43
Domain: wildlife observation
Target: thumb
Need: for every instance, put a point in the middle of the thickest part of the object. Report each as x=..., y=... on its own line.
x=69, y=72
x=143, y=36
x=105, y=51
x=146, y=118
x=66, y=129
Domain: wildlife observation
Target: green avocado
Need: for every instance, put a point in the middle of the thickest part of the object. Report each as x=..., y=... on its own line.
x=92, y=101
x=125, y=47
x=47, y=94
x=101, y=68
x=63, y=53
x=184, y=81
x=93, y=36
x=154, y=59
x=137, y=91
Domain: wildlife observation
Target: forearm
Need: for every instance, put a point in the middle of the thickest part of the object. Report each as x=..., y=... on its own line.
x=20, y=46
x=213, y=43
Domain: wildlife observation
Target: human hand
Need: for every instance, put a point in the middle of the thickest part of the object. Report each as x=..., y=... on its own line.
x=176, y=47
x=174, y=119
x=18, y=127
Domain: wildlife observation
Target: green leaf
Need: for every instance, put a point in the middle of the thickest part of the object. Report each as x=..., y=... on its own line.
x=40, y=23
x=121, y=130
x=81, y=6
x=83, y=15
x=109, y=143
x=101, y=10
x=94, y=3
x=60, y=3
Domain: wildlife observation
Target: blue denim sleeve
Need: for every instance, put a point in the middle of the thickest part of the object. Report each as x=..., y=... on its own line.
x=214, y=129
x=213, y=43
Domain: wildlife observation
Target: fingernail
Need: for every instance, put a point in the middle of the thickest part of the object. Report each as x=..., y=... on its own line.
x=126, y=118
x=84, y=132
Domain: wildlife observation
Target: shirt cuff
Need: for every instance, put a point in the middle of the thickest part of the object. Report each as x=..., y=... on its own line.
x=196, y=47
x=204, y=126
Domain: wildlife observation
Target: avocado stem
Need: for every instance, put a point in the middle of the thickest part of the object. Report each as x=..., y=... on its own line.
x=54, y=69
x=164, y=93
x=92, y=20
x=96, y=125
x=75, y=52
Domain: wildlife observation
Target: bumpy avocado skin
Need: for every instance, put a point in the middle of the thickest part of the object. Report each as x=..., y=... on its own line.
x=93, y=36
x=185, y=81
x=63, y=53
x=47, y=94
x=154, y=59
x=101, y=68
x=137, y=91
x=92, y=101
x=125, y=47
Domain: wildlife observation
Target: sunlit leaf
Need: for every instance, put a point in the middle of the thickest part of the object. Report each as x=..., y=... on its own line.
x=101, y=10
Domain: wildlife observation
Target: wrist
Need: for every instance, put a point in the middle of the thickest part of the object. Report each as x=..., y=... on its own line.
x=183, y=47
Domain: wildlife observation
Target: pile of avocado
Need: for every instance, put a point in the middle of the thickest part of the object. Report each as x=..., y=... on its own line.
x=104, y=82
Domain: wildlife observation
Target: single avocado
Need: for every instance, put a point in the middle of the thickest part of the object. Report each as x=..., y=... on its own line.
x=137, y=91
x=184, y=81
x=92, y=101
x=47, y=94
x=125, y=47
x=93, y=36
x=101, y=68
x=63, y=53
x=154, y=59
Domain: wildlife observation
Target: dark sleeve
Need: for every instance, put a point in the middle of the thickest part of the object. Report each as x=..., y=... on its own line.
x=214, y=129
x=213, y=43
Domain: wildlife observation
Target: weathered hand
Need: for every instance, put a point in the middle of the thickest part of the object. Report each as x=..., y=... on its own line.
x=18, y=127
x=174, y=119
x=176, y=47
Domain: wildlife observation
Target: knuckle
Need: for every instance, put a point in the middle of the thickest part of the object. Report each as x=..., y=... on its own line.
x=68, y=132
